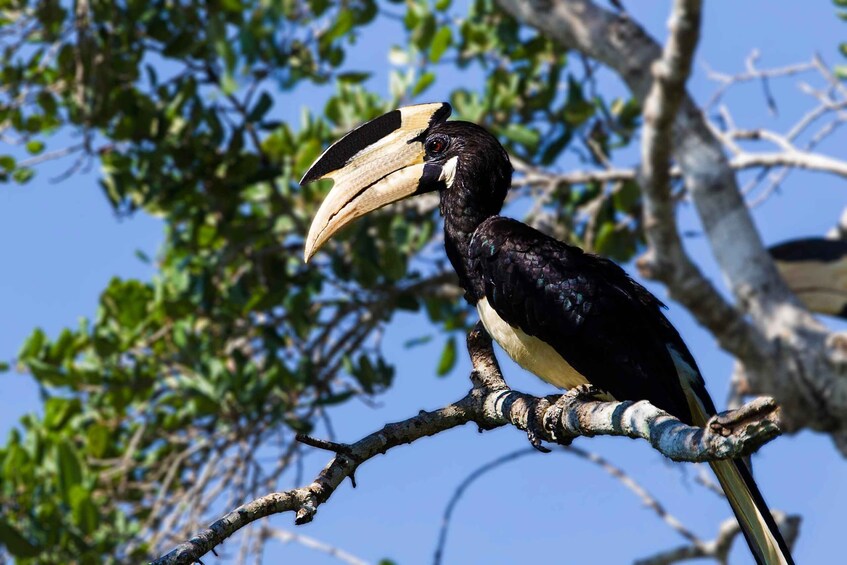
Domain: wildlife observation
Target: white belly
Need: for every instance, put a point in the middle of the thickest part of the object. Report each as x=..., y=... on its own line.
x=529, y=352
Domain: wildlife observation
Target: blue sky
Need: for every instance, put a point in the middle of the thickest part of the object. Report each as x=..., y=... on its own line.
x=61, y=245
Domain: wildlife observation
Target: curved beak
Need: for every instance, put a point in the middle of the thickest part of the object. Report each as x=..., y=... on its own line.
x=380, y=162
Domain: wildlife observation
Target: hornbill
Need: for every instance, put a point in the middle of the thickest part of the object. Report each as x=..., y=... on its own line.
x=816, y=270
x=570, y=317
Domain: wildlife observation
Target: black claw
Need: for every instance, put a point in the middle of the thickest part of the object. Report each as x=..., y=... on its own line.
x=587, y=392
x=536, y=443
x=533, y=436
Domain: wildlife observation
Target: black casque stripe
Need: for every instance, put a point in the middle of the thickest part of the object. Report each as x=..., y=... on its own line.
x=339, y=154
x=810, y=249
x=441, y=114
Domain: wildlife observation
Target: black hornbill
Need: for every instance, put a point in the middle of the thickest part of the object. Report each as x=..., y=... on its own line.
x=570, y=317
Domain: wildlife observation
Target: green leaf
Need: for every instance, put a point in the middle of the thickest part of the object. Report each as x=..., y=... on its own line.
x=577, y=108
x=353, y=77
x=7, y=162
x=83, y=510
x=626, y=196
x=416, y=341
x=23, y=176
x=34, y=146
x=15, y=542
x=448, y=357
x=342, y=24
x=98, y=437
x=33, y=345
x=522, y=134
x=261, y=108
x=69, y=469
x=333, y=399
x=57, y=411
x=423, y=83
x=440, y=43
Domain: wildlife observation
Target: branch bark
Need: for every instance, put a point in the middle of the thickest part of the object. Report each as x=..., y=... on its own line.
x=796, y=158
x=666, y=259
x=492, y=404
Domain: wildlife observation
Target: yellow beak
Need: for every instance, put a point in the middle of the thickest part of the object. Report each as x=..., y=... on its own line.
x=378, y=163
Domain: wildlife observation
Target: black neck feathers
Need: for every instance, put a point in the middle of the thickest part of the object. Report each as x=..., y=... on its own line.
x=482, y=179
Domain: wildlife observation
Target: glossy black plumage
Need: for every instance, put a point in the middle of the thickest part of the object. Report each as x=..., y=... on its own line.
x=607, y=326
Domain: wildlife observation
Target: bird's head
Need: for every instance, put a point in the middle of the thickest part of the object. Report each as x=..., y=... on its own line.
x=409, y=151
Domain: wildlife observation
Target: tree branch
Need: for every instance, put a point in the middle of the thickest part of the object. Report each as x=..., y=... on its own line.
x=666, y=259
x=796, y=158
x=491, y=404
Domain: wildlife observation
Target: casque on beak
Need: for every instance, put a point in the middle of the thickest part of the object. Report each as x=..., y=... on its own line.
x=378, y=163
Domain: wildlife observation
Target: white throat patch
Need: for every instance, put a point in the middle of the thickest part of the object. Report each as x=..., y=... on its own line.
x=448, y=171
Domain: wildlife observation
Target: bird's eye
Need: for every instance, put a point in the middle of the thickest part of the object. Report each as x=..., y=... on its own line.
x=436, y=145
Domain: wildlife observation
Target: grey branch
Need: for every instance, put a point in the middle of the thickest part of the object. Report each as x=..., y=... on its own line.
x=285, y=536
x=718, y=548
x=795, y=158
x=492, y=404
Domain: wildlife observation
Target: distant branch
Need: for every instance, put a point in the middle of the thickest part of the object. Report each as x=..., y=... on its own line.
x=718, y=548
x=491, y=404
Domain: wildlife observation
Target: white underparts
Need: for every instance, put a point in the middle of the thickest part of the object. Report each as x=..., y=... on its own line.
x=529, y=352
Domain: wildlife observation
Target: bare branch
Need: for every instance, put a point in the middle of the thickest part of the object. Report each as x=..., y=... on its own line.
x=666, y=259
x=460, y=490
x=648, y=499
x=491, y=404
x=288, y=537
x=718, y=548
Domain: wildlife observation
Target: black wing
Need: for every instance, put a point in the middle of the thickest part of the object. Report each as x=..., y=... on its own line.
x=607, y=326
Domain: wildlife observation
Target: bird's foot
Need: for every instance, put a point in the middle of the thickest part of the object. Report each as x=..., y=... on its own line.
x=564, y=404
x=761, y=409
x=585, y=392
x=534, y=431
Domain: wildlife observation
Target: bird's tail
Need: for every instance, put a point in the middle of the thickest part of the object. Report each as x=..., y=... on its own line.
x=757, y=524
x=754, y=517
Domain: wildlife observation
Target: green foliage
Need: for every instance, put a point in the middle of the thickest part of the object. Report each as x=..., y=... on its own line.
x=235, y=341
x=841, y=12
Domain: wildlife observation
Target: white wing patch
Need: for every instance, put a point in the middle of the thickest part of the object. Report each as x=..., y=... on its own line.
x=529, y=352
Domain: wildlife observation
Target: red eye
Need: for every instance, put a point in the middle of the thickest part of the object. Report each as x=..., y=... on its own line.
x=435, y=146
